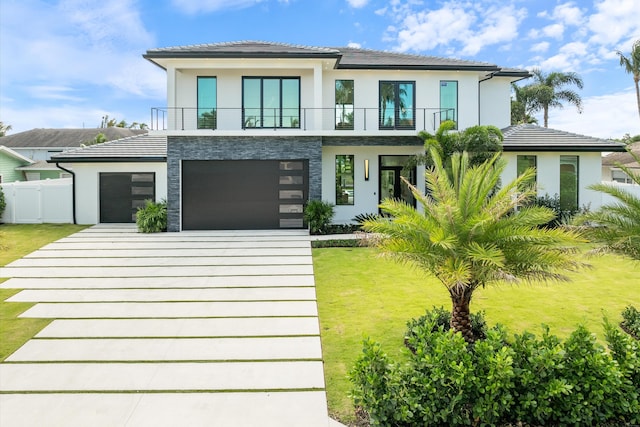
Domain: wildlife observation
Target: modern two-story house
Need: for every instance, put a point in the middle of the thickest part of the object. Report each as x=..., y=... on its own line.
x=253, y=130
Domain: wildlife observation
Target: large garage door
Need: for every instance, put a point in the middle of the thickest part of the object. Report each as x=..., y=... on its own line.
x=121, y=194
x=243, y=194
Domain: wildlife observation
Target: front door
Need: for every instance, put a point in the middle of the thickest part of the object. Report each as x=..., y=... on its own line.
x=391, y=185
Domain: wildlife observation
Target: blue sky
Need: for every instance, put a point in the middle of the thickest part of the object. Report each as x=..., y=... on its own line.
x=67, y=63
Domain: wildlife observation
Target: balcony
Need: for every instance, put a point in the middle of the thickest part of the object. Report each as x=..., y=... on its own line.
x=311, y=120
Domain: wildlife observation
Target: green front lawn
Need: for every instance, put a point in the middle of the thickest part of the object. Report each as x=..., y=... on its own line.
x=360, y=294
x=17, y=240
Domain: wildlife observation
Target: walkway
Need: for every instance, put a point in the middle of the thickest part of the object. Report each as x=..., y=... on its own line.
x=172, y=329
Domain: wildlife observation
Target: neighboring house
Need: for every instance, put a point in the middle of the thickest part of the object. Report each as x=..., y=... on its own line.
x=41, y=144
x=253, y=130
x=610, y=171
x=566, y=163
x=10, y=163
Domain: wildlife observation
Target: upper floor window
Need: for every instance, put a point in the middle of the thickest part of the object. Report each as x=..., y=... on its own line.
x=271, y=102
x=449, y=100
x=207, y=98
x=344, y=104
x=397, y=105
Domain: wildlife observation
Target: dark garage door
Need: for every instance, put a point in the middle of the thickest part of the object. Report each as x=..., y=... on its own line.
x=121, y=194
x=243, y=194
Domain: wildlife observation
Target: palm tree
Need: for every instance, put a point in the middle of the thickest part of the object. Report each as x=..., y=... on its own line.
x=632, y=66
x=546, y=91
x=468, y=235
x=523, y=106
x=617, y=226
x=4, y=129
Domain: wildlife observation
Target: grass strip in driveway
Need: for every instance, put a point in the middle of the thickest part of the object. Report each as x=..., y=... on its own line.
x=16, y=241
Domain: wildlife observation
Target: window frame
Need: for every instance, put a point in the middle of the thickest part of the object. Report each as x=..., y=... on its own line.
x=455, y=108
x=396, y=106
x=341, y=185
x=200, y=120
x=563, y=202
x=340, y=124
x=279, y=122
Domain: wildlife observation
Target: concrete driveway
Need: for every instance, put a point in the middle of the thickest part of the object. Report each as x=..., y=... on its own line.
x=208, y=328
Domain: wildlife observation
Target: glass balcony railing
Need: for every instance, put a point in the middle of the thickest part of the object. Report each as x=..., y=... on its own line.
x=302, y=119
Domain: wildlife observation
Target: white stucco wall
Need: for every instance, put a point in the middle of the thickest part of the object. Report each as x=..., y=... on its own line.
x=88, y=190
x=495, y=102
x=318, y=90
x=366, y=197
x=548, y=174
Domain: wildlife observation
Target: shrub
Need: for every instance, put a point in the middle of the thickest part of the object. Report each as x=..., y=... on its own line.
x=153, y=217
x=437, y=318
x=528, y=381
x=318, y=215
x=631, y=321
x=563, y=216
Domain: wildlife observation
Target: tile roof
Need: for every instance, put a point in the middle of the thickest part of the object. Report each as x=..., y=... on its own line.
x=345, y=57
x=535, y=138
x=245, y=48
x=623, y=158
x=141, y=148
x=64, y=138
x=364, y=58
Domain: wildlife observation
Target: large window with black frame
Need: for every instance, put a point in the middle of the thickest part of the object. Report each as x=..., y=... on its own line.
x=397, y=105
x=270, y=102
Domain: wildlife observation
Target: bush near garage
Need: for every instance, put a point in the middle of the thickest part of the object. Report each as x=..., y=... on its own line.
x=153, y=217
x=501, y=380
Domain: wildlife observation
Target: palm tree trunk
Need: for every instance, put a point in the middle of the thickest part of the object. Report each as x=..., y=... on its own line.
x=546, y=117
x=637, y=81
x=460, y=315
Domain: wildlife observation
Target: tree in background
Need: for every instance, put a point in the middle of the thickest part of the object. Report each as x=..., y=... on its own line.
x=108, y=123
x=632, y=66
x=467, y=235
x=4, y=129
x=523, y=106
x=549, y=91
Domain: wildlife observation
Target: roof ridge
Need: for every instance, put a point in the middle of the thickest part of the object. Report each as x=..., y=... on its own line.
x=239, y=42
x=412, y=55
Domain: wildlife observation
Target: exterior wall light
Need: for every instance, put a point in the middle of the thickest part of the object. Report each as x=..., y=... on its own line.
x=366, y=169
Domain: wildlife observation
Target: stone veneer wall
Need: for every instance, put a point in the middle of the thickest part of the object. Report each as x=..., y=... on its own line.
x=238, y=148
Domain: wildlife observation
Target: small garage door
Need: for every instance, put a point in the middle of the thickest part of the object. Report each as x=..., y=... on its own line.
x=121, y=194
x=243, y=194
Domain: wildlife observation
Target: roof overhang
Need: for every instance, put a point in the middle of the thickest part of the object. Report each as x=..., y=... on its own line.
x=108, y=160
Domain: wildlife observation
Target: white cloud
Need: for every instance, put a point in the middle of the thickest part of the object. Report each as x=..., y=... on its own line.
x=568, y=14
x=192, y=7
x=614, y=20
x=75, y=43
x=605, y=116
x=540, y=47
x=354, y=45
x=554, y=31
x=456, y=23
x=357, y=3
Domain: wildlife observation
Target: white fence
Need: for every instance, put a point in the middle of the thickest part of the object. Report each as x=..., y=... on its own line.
x=36, y=202
x=630, y=188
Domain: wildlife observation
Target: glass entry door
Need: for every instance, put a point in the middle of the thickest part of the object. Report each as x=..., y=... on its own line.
x=391, y=186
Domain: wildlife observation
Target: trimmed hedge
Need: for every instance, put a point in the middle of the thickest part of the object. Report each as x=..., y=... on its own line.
x=631, y=321
x=501, y=381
